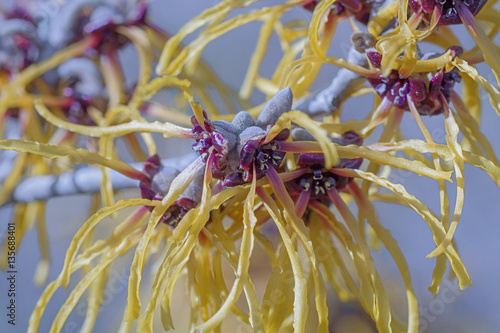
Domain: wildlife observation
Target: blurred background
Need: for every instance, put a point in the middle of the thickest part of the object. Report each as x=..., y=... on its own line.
x=475, y=309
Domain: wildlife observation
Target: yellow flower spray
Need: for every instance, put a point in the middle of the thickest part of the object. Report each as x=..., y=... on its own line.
x=276, y=171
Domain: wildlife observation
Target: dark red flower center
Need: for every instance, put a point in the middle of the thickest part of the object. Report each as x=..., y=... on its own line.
x=425, y=89
x=449, y=9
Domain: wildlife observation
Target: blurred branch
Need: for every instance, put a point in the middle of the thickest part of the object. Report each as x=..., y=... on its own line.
x=83, y=180
x=330, y=98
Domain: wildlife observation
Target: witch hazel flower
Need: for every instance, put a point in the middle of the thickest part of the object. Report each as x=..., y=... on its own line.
x=212, y=138
x=423, y=89
x=313, y=180
x=243, y=145
x=257, y=153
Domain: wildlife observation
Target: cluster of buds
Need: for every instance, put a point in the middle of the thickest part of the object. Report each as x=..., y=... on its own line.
x=243, y=145
x=242, y=148
x=424, y=89
x=239, y=149
x=77, y=83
